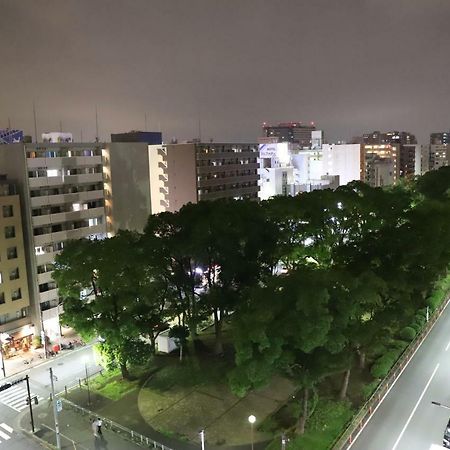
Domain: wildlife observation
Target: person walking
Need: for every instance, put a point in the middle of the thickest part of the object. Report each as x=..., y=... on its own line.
x=99, y=426
x=94, y=427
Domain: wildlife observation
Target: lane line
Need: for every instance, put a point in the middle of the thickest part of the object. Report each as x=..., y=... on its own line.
x=448, y=345
x=415, y=407
x=5, y=436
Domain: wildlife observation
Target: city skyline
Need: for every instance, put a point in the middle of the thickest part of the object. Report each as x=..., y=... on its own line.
x=220, y=70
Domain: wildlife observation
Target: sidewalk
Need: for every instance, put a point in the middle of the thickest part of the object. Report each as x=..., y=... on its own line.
x=75, y=431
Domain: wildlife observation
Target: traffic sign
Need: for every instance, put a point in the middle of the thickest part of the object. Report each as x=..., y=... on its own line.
x=58, y=405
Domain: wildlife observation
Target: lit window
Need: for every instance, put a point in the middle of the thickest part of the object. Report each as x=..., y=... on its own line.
x=52, y=172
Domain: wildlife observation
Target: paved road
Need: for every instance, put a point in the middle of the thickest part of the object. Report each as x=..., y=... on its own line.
x=67, y=368
x=406, y=419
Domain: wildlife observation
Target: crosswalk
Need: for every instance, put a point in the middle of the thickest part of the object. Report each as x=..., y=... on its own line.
x=16, y=398
x=4, y=436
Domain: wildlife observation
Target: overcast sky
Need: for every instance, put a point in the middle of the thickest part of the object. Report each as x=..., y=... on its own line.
x=350, y=66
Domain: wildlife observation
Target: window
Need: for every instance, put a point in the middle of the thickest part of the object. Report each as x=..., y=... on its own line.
x=4, y=318
x=11, y=253
x=2, y=298
x=16, y=294
x=7, y=211
x=10, y=232
x=52, y=172
x=1, y=278
x=14, y=274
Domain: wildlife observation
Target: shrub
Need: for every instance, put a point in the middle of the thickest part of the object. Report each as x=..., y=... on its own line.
x=383, y=364
x=369, y=389
x=408, y=333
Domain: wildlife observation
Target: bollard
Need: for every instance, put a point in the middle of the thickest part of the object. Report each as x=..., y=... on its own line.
x=79, y=383
x=65, y=390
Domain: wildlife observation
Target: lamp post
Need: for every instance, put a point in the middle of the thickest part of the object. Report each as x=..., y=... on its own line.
x=87, y=382
x=252, y=420
x=1, y=353
x=202, y=438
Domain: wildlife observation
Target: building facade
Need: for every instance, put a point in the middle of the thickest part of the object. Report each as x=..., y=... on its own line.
x=294, y=132
x=61, y=186
x=190, y=172
x=15, y=318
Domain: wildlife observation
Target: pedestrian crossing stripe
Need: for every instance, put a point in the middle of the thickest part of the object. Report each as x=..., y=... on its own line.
x=3, y=435
x=16, y=398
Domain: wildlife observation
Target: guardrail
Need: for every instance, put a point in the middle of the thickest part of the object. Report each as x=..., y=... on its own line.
x=125, y=432
x=346, y=438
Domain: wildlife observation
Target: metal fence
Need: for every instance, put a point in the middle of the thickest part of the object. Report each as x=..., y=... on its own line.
x=358, y=421
x=124, y=432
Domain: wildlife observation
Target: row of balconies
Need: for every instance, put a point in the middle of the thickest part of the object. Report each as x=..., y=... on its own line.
x=48, y=219
x=202, y=170
x=66, y=179
x=227, y=180
x=227, y=155
x=65, y=235
x=65, y=161
x=234, y=192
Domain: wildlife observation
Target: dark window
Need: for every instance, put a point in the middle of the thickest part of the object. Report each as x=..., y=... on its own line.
x=2, y=298
x=11, y=253
x=10, y=232
x=8, y=211
x=16, y=294
x=14, y=274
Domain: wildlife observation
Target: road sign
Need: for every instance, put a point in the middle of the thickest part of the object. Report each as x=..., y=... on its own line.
x=58, y=405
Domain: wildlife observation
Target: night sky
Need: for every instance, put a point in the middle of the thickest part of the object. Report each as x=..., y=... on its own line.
x=350, y=66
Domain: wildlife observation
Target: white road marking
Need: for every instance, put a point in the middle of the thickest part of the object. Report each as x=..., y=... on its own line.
x=4, y=436
x=436, y=447
x=16, y=398
x=415, y=407
x=448, y=345
x=6, y=427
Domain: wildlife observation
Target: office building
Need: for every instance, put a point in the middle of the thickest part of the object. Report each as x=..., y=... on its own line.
x=61, y=187
x=183, y=173
x=15, y=320
x=389, y=137
x=294, y=132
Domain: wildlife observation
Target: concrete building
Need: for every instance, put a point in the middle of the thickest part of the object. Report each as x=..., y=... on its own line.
x=286, y=169
x=11, y=136
x=15, y=319
x=183, y=173
x=441, y=138
x=389, y=137
x=380, y=164
x=61, y=186
x=294, y=132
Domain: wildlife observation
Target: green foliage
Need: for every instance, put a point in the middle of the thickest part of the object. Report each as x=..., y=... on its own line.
x=369, y=388
x=408, y=333
x=383, y=364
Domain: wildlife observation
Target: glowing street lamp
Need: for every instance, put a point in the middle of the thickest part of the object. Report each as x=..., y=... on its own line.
x=252, y=420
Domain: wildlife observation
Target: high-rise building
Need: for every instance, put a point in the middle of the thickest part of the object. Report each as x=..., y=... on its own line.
x=437, y=153
x=295, y=132
x=389, y=137
x=380, y=164
x=15, y=320
x=441, y=138
x=61, y=187
x=183, y=173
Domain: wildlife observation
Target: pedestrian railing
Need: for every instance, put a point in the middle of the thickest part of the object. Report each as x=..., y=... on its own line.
x=357, y=423
x=109, y=424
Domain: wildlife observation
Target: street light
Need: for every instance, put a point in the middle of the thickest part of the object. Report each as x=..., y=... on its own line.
x=252, y=420
x=202, y=438
x=87, y=382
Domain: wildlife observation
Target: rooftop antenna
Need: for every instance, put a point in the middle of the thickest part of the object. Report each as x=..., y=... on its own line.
x=9, y=123
x=81, y=135
x=60, y=126
x=96, y=124
x=35, y=123
x=199, y=130
x=145, y=121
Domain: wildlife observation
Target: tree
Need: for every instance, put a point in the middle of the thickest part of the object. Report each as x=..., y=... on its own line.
x=103, y=293
x=180, y=333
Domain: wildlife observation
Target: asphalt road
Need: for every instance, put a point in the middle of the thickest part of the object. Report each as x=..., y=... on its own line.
x=67, y=369
x=406, y=419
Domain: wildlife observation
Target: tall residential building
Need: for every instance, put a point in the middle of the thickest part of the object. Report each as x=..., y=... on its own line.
x=295, y=132
x=437, y=153
x=15, y=317
x=183, y=173
x=61, y=185
x=380, y=164
x=441, y=138
x=389, y=137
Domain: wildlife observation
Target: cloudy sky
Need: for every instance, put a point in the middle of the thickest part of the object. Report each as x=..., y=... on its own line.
x=350, y=66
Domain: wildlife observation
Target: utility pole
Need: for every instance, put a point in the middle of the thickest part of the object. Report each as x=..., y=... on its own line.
x=29, y=402
x=55, y=412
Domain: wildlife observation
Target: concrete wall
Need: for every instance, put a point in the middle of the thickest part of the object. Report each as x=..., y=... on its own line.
x=130, y=183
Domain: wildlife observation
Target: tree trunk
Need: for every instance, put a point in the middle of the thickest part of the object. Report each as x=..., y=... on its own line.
x=362, y=359
x=181, y=352
x=344, y=387
x=218, y=346
x=124, y=370
x=302, y=421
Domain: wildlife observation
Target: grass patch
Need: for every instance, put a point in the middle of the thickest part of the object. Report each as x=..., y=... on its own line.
x=111, y=385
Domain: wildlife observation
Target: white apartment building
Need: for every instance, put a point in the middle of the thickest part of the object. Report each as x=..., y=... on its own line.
x=61, y=186
x=286, y=169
